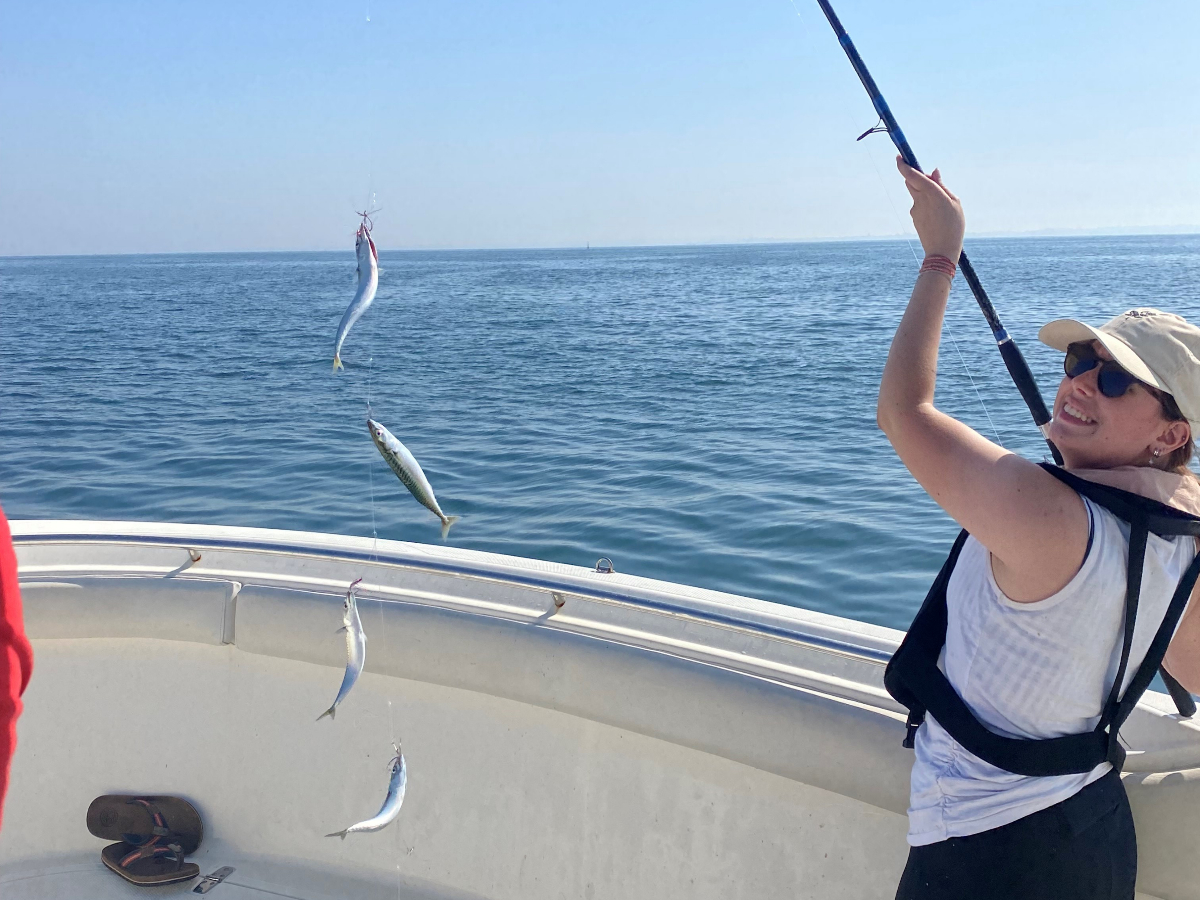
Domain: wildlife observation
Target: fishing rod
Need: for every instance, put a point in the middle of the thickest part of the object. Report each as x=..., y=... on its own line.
x=1013, y=360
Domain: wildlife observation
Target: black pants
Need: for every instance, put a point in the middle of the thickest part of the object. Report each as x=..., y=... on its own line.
x=1083, y=847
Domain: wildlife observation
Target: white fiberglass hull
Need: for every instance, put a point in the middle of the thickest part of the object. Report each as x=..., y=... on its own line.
x=645, y=740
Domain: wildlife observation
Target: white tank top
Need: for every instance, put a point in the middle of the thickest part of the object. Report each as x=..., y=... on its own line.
x=1033, y=670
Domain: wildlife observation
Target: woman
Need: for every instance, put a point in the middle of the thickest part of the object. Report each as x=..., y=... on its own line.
x=1036, y=600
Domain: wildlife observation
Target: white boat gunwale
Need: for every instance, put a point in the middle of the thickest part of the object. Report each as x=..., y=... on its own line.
x=568, y=583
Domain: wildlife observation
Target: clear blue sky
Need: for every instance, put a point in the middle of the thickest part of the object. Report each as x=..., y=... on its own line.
x=261, y=124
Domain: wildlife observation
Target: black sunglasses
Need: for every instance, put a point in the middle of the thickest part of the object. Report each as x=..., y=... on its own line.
x=1112, y=380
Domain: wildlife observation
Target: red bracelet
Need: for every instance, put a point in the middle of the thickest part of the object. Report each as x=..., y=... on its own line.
x=937, y=263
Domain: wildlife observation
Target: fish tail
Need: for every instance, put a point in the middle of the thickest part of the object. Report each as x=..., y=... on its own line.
x=331, y=712
x=339, y=834
x=446, y=523
x=337, y=362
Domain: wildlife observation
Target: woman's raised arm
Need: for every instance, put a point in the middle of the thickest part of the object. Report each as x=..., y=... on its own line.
x=1035, y=527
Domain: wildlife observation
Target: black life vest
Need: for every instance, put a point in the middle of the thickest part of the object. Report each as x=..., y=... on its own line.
x=914, y=679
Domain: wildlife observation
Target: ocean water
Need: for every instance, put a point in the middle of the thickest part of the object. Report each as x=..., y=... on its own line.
x=703, y=415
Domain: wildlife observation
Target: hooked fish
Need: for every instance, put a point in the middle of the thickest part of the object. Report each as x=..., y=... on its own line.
x=356, y=650
x=391, y=803
x=368, y=281
x=408, y=470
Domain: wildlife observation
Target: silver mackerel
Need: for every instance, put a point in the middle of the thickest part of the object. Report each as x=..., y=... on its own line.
x=408, y=470
x=356, y=650
x=368, y=281
x=391, y=803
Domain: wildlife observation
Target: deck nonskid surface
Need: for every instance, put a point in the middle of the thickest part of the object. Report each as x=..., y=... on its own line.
x=78, y=878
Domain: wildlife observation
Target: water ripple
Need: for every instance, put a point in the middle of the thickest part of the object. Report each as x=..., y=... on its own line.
x=700, y=415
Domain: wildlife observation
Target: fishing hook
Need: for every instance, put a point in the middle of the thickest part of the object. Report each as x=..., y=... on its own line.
x=396, y=747
x=367, y=220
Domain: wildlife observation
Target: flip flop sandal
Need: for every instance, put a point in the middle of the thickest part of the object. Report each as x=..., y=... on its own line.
x=154, y=834
x=150, y=863
x=136, y=819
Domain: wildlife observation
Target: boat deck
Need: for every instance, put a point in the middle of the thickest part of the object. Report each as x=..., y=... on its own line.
x=567, y=733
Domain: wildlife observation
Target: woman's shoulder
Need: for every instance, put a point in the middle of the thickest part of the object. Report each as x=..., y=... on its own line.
x=1101, y=568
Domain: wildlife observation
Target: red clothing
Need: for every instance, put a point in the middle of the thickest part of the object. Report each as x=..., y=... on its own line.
x=16, y=656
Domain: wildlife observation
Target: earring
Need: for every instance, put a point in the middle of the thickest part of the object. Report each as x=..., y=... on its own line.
x=1157, y=452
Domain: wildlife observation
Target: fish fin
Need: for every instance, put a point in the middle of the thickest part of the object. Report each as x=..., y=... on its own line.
x=337, y=362
x=338, y=834
x=331, y=712
x=450, y=520
x=340, y=630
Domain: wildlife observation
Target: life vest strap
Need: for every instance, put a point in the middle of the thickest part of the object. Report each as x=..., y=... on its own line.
x=913, y=678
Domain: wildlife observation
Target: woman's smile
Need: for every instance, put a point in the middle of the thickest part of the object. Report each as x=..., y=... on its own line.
x=1074, y=415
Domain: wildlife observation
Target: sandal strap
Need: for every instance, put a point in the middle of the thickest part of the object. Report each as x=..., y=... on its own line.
x=160, y=821
x=158, y=830
x=153, y=849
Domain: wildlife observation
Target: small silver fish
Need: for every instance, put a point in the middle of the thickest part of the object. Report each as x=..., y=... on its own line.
x=408, y=470
x=368, y=281
x=356, y=650
x=391, y=803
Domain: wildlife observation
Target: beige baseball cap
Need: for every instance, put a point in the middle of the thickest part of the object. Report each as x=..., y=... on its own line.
x=1159, y=348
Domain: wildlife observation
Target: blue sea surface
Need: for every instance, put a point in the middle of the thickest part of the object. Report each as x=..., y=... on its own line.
x=703, y=415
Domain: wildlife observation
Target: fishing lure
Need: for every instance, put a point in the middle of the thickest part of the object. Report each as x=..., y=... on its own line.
x=391, y=803
x=356, y=649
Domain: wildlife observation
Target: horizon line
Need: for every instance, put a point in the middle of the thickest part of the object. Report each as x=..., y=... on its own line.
x=1115, y=231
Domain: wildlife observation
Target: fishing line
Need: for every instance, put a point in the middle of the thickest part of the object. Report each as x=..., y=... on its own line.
x=392, y=739
x=908, y=241
x=369, y=208
x=374, y=532
x=399, y=841
x=371, y=463
x=380, y=603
